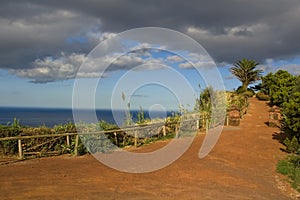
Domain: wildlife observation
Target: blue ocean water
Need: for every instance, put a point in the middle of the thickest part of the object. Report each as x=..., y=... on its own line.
x=50, y=117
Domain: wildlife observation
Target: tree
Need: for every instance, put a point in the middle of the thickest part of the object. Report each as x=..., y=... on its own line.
x=291, y=115
x=245, y=71
x=279, y=86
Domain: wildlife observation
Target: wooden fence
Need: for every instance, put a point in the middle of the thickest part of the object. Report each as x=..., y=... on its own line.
x=198, y=122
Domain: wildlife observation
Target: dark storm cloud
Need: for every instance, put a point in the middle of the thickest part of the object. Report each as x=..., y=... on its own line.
x=30, y=32
x=228, y=29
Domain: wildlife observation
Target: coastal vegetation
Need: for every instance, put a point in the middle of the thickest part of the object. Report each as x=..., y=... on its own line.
x=282, y=89
x=113, y=136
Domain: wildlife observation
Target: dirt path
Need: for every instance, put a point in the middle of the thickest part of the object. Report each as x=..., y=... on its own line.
x=241, y=166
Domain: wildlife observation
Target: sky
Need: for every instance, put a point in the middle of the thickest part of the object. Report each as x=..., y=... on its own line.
x=44, y=45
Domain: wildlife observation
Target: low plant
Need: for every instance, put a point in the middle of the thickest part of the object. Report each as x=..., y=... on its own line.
x=10, y=147
x=290, y=167
x=292, y=146
x=262, y=97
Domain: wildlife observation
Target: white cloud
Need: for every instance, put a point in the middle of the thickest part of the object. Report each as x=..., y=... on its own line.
x=49, y=69
x=175, y=58
x=197, y=30
x=292, y=68
x=197, y=60
x=246, y=30
x=67, y=66
x=96, y=36
x=271, y=65
x=200, y=65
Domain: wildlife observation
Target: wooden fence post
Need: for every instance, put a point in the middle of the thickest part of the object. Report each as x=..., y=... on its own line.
x=20, y=149
x=227, y=120
x=177, y=130
x=206, y=126
x=76, y=145
x=68, y=140
x=116, y=139
x=164, y=130
x=135, y=138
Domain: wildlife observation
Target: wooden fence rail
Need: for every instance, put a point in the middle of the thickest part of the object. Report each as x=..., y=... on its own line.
x=135, y=128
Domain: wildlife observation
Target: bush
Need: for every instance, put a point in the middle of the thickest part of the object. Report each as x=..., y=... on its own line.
x=262, y=97
x=292, y=146
x=97, y=143
x=240, y=90
x=105, y=126
x=172, y=122
x=278, y=86
x=291, y=115
x=9, y=147
x=249, y=94
x=65, y=128
x=41, y=145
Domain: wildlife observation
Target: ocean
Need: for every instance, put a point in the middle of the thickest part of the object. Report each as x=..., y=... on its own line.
x=50, y=117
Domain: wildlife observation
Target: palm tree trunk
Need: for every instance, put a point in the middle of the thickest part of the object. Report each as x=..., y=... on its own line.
x=245, y=86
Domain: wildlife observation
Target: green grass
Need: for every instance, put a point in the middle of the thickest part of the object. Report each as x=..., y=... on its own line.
x=155, y=139
x=290, y=167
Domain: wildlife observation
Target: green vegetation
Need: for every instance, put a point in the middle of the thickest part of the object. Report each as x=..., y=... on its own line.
x=155, y=139
x=218, y=102
x=209, y=102
x=141, y=116
x=10, y=146
x=204, y=102
x=278, y=87
x=262, y=96
x=245, y=70
x=290, y=167
x=292, y=145
x=41, y=145
x=282, y=89
x=87, y=143
x=291, y=115
x=236, y=100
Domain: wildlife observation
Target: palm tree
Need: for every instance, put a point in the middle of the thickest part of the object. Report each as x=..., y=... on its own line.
x=245, y=71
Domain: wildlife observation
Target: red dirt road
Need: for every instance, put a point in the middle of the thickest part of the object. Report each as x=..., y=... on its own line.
x=241, y=166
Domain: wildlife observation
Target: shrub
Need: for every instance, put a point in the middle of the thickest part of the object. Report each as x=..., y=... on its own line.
x=81, y=149
x=240, y=90
x=263, y=97
x=10, y=147
x=278, y=86
x=292, y=146
x=249, y=93
x=291, y=115
x=65, y=128
x=105, y=126
x=97, y=143
x=172, y=122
